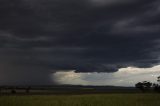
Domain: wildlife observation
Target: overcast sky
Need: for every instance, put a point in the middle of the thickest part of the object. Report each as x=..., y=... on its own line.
x=42, y=41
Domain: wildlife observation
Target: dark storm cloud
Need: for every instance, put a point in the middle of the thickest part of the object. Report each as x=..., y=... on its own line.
x=39, y=37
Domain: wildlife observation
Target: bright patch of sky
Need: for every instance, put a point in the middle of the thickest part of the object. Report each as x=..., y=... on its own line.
x=123, y=77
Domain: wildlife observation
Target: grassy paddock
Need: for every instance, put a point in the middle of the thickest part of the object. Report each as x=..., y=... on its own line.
x=82, y=100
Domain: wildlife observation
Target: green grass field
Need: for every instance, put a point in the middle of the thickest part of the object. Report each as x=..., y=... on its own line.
x=82, y=100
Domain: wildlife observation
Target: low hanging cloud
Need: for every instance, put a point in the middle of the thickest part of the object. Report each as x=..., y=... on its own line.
x=41, y=37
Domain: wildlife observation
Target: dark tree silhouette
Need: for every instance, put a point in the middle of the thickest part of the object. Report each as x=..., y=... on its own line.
x=139, y=85
x=28, y=89
x=13, y=91
x=144, y=86
x=158, y=79
x=147, y=85
x=157, y=86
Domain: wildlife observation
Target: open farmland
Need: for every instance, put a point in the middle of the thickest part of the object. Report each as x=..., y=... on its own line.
x=81, y=100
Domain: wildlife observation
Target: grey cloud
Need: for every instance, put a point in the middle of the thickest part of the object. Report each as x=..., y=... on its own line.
x=45, y=35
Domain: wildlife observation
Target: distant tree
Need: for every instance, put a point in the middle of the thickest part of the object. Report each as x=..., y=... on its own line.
x=147, y=85
x=157, y=86
x=158, y=79
x=144, y=86
x=139, y=85
x=13, y=91
x=28, y=89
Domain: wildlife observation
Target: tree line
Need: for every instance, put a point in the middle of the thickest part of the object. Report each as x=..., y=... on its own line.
x=13, y=90
x=146, y=86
